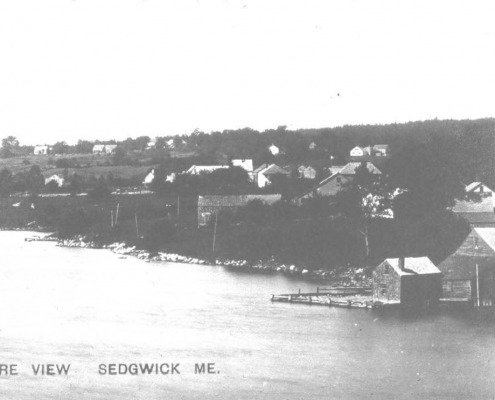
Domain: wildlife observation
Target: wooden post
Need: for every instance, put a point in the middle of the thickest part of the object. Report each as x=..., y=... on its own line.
x=215, y=232
x=137, y=226
x=117, y=214
x=111, y=218
x=477, y=287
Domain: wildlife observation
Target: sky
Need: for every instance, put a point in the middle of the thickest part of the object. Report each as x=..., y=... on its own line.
x=112, y=69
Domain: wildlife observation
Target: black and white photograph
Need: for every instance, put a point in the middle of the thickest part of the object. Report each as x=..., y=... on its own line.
x=247, y=199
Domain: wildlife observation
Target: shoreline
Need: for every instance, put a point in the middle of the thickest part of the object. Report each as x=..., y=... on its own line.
x=347, y=276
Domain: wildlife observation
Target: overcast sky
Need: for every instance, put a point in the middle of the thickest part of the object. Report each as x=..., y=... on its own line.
x=108, y=69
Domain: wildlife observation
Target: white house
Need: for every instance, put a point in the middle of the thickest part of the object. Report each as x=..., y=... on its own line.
x=148, y=179
x=55, y=178
x=264, y=173
x=479, y=188
x=381, y=150
x=41, y=149
x=104, y=148
x=360, y=151
x=244, y=164
x=274, y=150
x=204, y=169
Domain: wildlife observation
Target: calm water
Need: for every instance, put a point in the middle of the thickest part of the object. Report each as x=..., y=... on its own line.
x=87, y=307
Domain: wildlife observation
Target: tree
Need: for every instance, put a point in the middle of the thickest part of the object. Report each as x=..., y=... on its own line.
x=9, y=145
x=363, y=198
x=60, y=148
x=6, y=182
x=75, y=185
x=101, y=190
x=35, y=180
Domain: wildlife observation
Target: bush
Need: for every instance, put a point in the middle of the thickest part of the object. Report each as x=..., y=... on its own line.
x=73, y=222
x=159, y=232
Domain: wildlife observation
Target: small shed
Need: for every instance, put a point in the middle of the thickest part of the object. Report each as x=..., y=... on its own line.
x=412, y=282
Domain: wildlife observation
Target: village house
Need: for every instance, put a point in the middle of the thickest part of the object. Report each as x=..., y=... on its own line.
x=477, y=213
x=104, y=148
x=204, y=169
x=41, y=149
x=55, y=178
x=411, y=281
x=378, y=150
x=274, y=150
x=264, y=174
x=331, y=185
x=245, y=164
x=150, y=145
x=471, y=269
x=208, y=206
x=306, y=172
x=480, y=189
x=149, y=178
x=312, y=146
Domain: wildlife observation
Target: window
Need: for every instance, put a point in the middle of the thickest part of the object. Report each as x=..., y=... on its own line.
x=386, y=271
x=383, y=289
x=475, y=242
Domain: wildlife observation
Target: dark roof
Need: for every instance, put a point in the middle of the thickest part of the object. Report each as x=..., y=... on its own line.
x=485, y=205
x=462, y=263
x=237, y=200
x=350, y=168
x=478, y=218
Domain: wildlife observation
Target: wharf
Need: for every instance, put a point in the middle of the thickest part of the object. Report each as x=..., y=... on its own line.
x=348, y=297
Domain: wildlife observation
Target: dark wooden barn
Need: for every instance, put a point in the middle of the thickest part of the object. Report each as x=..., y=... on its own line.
x=471, y=269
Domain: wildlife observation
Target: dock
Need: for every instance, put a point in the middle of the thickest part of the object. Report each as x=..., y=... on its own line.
x=348, y=297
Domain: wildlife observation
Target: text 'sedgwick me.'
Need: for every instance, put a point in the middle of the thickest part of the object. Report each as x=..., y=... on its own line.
x=111, y=369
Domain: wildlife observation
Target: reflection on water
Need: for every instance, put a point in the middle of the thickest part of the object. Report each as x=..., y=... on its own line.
x=87, y=307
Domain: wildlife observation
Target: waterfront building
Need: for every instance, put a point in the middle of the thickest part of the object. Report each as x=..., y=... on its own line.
x=411, y=281
x=471, y=269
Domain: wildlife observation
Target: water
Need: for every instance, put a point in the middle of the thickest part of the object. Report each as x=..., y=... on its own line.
x=88, y=307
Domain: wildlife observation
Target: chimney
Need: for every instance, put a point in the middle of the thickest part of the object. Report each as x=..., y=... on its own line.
x=402, y=263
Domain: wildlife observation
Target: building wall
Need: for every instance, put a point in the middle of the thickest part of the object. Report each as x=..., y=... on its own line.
x=421, y=290
x=457, y=289
x=386, y=284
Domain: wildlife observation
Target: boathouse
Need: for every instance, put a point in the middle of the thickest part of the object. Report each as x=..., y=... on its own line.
x=471, y=269
x=411, y=281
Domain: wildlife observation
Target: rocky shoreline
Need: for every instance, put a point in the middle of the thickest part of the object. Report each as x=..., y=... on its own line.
x=344, y=276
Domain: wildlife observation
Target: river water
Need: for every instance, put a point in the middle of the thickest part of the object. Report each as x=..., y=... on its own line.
x=88, y=307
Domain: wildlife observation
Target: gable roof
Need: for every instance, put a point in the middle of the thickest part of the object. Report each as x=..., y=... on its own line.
x=414, y=266
x=350, y=168
x=274, y=169
x=475, y=185
x=478, y=248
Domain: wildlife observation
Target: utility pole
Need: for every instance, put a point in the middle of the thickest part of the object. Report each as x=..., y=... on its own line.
x=215, y=232
x=137, y=226
x=111, y=218
x=477, y=287
x=117, y=213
